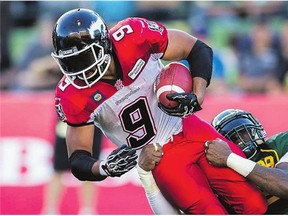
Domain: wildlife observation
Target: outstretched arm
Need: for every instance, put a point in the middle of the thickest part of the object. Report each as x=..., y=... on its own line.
x=271, y=180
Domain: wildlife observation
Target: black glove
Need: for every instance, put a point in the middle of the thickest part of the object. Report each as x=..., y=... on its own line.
x=120, y=161
x=188, y=104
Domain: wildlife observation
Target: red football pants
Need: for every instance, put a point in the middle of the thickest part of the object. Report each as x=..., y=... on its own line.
x=187, y=180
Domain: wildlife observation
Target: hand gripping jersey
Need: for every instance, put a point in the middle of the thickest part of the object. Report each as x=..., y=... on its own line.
x=126, y=111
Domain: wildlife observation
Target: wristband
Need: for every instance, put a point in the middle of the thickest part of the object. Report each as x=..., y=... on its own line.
x=147, y=180
x=101, y=170
x=241, y=165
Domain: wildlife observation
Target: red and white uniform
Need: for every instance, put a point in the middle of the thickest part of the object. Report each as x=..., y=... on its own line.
x=127, y=113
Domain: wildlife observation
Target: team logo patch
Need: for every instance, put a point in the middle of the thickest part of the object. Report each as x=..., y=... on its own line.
x=119, y=85
x=154, y=27
x=59, y=110
x=97, y=97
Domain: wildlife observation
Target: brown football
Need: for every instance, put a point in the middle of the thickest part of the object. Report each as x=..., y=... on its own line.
x=174, y=77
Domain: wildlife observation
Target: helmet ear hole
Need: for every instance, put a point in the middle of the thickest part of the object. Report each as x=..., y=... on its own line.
x=82, y=47
x=242, y=128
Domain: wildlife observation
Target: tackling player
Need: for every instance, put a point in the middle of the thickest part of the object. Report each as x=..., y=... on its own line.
x=108, y=81
x=267, y=166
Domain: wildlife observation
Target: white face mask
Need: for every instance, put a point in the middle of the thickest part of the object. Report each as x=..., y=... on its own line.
x=85, y=67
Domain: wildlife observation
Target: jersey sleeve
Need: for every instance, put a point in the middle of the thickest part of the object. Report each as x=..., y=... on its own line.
x=70, y=112
x=71, y=106
x=279, y=142
x=153, y=34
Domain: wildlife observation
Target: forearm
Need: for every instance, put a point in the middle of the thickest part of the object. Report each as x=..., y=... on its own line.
x=200, y=61
x=157, y=201
x=271, y=180
x=199, y=88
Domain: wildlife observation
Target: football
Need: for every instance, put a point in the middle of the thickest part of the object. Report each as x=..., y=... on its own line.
x=173, y=78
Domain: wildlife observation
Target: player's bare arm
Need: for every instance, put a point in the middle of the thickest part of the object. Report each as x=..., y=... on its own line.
x=79, y=138
x=180, y=46
x=271, y=180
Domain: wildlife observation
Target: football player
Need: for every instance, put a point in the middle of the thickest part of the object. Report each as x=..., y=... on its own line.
x=267, y=160
x=108, y=81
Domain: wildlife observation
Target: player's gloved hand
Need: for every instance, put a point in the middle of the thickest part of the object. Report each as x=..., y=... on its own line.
x=188, y=104
x=120, y=161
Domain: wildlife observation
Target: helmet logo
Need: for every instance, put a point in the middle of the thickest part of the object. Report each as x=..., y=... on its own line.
x=93, y=27
x=153, y=26
x=59, y=109
x=78, y=22
x=68, y=51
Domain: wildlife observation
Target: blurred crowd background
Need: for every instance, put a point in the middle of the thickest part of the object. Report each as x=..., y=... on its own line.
x=249, y=38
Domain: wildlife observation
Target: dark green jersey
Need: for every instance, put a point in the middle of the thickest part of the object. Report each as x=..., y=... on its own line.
x=268, y=155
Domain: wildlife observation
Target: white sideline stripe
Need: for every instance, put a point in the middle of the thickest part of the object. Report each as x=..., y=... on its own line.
x=169, y=88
